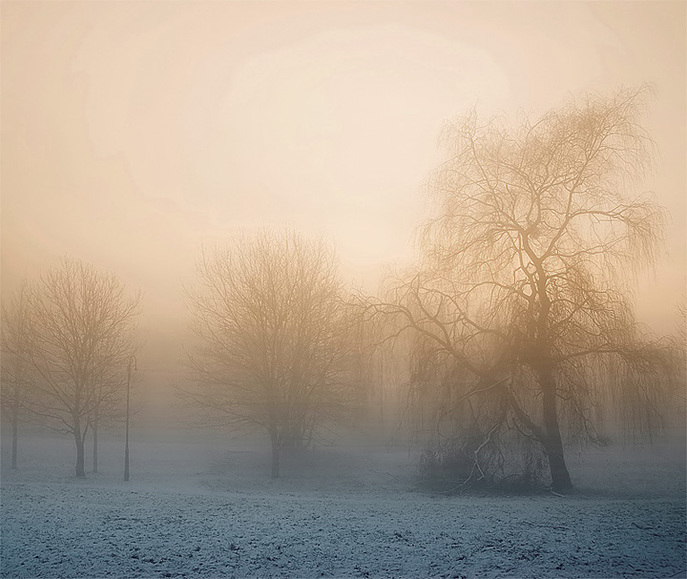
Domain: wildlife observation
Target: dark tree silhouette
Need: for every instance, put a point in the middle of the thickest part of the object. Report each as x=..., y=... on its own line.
x=83, y=339
x=522, y=305
x=273, y=343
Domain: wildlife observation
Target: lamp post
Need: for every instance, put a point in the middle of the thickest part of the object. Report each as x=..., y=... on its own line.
x=130, y=368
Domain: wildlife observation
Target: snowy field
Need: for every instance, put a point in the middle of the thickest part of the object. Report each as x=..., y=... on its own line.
x=205, y=509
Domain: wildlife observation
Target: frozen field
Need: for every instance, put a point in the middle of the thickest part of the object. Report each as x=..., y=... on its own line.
x=200, y=510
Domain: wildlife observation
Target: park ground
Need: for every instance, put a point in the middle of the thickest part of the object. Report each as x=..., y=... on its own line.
x=206, y=507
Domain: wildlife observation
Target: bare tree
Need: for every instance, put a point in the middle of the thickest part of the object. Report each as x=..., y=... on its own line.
x=522, y=302
x=83, y=340
x=16, y=369
x=273, y=341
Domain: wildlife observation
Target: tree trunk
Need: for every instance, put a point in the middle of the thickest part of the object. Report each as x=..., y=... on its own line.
x=80, y=470
x=78, y=438
x=275, y=455
x=15, y=433
x=560, y=477
x=544, y=367
x=95, y=446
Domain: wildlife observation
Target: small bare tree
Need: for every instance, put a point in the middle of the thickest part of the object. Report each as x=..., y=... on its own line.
x=83, y=336
x=17, y=333
x=273, y=342
x=522, y=301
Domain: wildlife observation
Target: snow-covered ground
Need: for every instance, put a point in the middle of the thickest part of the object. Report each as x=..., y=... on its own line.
x=203, y=509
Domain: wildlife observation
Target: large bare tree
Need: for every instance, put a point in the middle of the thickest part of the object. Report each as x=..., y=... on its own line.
x=83, y=339
x=522, y=305
x=272, y=338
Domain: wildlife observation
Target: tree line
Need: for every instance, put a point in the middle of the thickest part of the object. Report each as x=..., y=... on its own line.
x=515, y=327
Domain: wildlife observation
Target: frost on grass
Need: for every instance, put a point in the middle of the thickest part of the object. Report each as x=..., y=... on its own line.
x=215, y=516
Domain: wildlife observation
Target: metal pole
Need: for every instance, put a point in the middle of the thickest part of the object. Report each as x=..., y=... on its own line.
x=126, y=438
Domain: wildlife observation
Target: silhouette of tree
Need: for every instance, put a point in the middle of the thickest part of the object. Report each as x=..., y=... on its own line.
x=83, y=338
x=274, y=345
x=522, y=305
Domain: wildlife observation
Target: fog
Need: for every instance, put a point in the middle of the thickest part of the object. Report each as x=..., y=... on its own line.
x=131, y=134
x=212, y=156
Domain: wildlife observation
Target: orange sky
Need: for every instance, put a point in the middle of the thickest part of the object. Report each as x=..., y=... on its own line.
x=132, y=132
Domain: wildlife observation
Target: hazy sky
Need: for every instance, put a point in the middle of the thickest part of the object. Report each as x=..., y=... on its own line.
x=134, y=131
